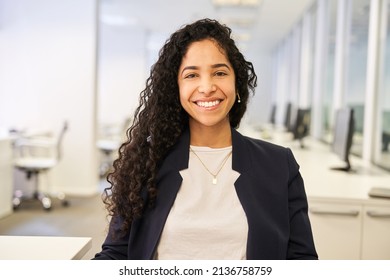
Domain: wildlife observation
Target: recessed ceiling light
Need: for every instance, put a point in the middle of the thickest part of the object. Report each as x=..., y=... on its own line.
x=243, y=3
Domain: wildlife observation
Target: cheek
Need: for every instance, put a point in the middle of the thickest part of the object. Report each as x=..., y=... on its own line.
x=182, y=100
x=183, y=97
x=230, y=89
x=184, y=92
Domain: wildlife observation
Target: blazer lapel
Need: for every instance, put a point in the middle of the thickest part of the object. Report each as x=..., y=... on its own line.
x=240, y=156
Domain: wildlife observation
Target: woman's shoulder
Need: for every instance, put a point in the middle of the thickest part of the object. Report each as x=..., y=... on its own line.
x=258, y=144
x=256, y=152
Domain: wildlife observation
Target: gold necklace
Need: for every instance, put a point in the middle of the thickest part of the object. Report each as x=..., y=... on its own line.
x=219, y=170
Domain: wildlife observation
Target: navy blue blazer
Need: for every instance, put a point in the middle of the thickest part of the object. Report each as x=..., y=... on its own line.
x=270, y=189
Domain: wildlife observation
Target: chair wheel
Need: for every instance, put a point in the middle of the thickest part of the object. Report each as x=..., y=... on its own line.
x=46, y=203
x=16, y=203
x=65, y=203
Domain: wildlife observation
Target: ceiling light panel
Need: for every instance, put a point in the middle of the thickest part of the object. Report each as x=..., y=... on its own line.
x=242, y=3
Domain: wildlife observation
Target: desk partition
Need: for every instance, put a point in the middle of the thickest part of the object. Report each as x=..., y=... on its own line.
x=5, y=177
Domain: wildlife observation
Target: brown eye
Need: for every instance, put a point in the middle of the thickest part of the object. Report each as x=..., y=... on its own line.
x=190, y=76
x=220, y=74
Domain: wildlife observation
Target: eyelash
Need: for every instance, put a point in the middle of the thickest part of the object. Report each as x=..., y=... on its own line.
x=218, y=74
x=190, y=76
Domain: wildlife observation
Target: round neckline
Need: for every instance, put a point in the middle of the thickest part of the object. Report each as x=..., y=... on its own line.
x=209, y=149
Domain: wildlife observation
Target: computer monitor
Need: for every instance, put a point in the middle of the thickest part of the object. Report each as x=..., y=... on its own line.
x=287, y=117
x=344, y=128
x=385, y=130
x=301, y=126
x=272, y=118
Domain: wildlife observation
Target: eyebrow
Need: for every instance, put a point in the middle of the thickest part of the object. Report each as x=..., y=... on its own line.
x=218, y=65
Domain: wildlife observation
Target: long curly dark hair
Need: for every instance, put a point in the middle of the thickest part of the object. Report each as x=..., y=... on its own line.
x=160, y=119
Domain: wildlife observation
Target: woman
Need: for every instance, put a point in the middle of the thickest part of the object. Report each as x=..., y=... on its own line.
x=186, y=184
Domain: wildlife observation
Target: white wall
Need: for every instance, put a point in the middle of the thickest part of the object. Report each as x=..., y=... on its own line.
x=259, y=108
x=121, y=71
x=47, y=75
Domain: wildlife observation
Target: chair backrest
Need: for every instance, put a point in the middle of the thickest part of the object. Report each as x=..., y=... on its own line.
x=60, y=140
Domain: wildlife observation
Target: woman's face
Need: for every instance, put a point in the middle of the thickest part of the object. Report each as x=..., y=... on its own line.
x=206, y=82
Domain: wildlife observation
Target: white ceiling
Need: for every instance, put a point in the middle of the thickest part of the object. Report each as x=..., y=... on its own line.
x=260, y=28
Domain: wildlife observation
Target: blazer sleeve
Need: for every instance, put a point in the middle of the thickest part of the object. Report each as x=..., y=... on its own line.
x=301, y=244
x=115, y=247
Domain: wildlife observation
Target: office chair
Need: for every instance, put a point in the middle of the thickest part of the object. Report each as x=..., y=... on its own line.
x=109, y=143
x=107, y=147
x=35, y=156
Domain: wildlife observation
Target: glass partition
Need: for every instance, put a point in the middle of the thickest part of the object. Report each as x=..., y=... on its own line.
x=327, y=134
x=357, y=68
x=383, y=112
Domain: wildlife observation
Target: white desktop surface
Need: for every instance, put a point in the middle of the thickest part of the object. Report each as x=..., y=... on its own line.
x=316, y=161
x=43, y=247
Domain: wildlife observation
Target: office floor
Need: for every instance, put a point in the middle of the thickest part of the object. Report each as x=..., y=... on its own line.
x=85, y=217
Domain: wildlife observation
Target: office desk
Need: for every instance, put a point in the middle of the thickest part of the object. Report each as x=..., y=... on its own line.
x=321, y=181
x=316, y=161
x=347, y=223
x=6, y=175
x=43, y=247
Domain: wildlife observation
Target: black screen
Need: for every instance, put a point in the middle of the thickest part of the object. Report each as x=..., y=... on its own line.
x=302, y=124
x=343, y=133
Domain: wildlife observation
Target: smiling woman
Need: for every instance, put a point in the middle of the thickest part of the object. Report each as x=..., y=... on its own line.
x=186, y=184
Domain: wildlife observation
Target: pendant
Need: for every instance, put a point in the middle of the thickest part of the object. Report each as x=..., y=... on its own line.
x=214, y=180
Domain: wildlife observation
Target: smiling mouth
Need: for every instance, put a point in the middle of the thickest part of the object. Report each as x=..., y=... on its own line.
x=208, y=104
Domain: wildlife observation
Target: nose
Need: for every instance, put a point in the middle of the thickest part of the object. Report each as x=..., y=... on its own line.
x=207, y=86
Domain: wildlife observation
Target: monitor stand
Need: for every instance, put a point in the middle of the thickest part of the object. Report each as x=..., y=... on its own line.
x=302, y=143
x=346, y=168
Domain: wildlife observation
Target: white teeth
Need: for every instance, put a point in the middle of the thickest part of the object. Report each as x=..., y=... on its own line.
x=208, y=104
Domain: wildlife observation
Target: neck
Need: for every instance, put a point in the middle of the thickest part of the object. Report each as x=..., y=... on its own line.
x=213, y=137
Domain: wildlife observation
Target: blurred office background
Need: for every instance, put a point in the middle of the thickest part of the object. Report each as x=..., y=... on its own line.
x=85, y=62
